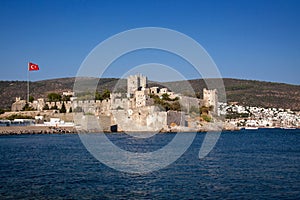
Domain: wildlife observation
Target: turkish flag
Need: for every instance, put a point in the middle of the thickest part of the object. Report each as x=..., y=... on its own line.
x=33, y=67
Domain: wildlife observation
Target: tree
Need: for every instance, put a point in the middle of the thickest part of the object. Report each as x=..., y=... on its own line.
x=27, y=108
x=46, y=107
x=164, y=102
x=54, y=97
x=31, y=99
x=66, y=97
x=54, y=107
x=206, y=118
x=204, y=110
x=98, y=96
x=106, y=94
x=63, y=108
x=18, y=116
x=166, y=97
x=176, y=106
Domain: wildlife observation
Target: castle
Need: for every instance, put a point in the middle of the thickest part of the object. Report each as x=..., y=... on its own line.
x=135, y=110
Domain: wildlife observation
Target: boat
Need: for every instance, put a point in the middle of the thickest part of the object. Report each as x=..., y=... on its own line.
x=251, y=128
x=288, y=128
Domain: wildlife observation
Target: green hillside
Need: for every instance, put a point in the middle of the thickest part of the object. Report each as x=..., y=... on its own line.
x=246, y=92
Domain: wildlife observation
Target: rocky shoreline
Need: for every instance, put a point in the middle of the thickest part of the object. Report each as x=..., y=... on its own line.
x=28, y=130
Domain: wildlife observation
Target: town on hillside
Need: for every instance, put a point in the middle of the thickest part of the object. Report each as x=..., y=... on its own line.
x=144, y=108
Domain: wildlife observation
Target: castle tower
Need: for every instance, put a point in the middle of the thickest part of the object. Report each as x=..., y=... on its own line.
x=132, y=84
x=210, y=98
x=136, y=82
x=143, y=81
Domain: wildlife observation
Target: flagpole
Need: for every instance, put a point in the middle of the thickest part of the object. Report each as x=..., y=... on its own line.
x=28, y=84
x=31, y=67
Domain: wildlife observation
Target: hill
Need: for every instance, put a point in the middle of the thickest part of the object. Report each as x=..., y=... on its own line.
x=254, y=93
x=245, y=92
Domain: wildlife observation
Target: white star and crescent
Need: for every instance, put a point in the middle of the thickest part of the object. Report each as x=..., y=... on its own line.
x=33, y=66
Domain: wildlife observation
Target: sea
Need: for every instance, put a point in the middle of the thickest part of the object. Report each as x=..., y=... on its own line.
x=246, y=164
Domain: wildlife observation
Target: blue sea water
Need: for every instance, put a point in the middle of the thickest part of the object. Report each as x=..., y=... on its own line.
x=261, y=164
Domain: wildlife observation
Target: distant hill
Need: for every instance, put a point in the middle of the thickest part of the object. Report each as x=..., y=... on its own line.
x=245, y=92
x=255, y=93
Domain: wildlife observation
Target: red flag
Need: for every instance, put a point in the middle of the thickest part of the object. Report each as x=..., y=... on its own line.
x=33, y=67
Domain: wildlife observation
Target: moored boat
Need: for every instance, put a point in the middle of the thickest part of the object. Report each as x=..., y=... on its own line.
x=251, y=128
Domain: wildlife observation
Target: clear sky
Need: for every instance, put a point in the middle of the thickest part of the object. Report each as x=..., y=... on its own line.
x=251, y=39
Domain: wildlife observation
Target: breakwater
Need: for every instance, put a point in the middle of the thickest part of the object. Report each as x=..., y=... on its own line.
x=18, y=130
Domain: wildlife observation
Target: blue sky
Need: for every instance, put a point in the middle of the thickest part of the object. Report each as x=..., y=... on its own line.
x=257, y=40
